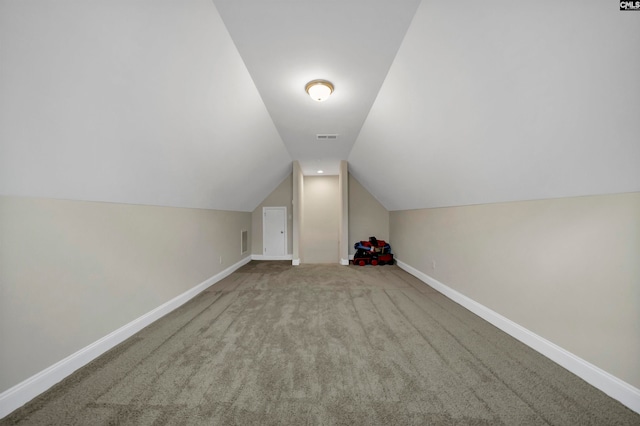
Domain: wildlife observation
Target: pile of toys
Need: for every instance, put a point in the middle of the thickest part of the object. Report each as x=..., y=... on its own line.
x=372, y=252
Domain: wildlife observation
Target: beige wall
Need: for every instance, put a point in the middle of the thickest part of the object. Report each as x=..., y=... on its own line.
x=282, y=196
x=72, y=272
x=298, y=180
x=343, y=234
x=567, y=269
x=367, y=217
x=321, y=211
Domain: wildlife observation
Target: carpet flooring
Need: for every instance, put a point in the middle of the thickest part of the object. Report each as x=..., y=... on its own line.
x=274, y=344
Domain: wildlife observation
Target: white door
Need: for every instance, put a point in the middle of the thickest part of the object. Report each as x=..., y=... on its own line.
x=274, y=231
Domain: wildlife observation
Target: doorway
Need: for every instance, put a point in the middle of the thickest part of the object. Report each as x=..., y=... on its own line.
x=274, y=233
x=320, y=229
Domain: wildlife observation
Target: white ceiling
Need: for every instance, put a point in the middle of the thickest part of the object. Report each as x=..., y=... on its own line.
x=502, y=101
x=144, y=102
x=201, y=103
x=287, y=43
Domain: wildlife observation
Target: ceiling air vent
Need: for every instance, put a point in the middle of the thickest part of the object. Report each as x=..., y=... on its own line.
x=326, y=136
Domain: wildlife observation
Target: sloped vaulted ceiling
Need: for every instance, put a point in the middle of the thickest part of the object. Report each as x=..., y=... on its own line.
x=287, y=43
x=144, y=102
x=200, y=103
x=502, y=101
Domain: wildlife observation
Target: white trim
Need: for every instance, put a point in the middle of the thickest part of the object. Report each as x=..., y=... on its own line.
x=595, y=376
x=295, y=262
x=261, y=257
x=344, y=261
x=351, y=256
x=25, y=391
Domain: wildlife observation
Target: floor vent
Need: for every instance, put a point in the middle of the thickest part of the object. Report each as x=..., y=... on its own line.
x=326, y=136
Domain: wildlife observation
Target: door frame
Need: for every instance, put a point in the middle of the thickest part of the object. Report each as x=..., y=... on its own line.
x=286, y=256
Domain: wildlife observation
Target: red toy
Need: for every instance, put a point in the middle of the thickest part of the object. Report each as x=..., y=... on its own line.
x=372, y=252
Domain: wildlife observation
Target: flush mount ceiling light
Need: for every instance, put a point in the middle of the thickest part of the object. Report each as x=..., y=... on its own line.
x=319, y=90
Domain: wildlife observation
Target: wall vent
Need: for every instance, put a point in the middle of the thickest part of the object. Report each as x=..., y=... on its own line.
x=326, y=136
x=244, y=241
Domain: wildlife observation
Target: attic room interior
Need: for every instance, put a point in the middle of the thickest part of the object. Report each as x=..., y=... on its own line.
x=495, y=146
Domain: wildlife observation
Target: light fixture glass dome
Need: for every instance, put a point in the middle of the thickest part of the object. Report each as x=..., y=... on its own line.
x=319, y=90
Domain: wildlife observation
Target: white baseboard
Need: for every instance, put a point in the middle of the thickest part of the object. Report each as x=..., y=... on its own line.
x=23, y=392
x=295, y=262
x=595, y=376
x=344, y=261
x=351, y=256
x=263, y=257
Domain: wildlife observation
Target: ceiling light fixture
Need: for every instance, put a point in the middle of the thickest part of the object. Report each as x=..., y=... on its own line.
x=320, y=172
x=319, y=90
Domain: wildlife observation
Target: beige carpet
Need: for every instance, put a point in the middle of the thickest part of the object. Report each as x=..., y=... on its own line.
x=322, y=345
